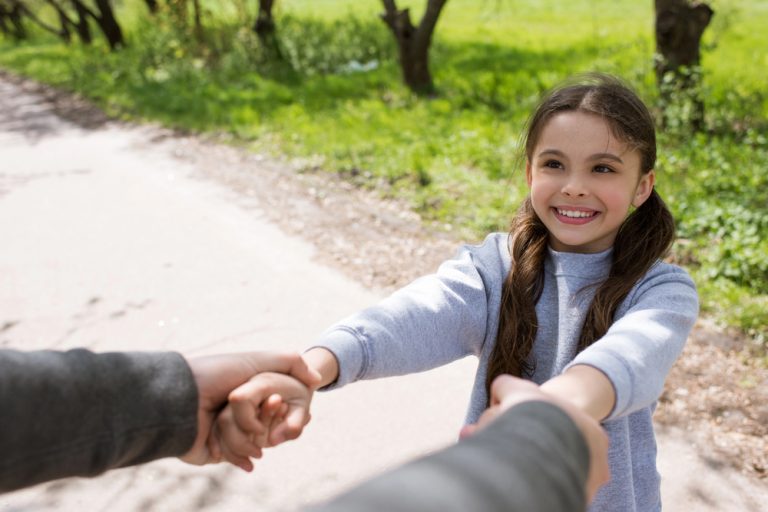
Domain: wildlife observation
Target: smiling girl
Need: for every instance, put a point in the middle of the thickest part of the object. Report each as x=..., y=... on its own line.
x=575, y=297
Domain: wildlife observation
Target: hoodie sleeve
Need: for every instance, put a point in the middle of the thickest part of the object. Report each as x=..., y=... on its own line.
x=434, y=320
x=639, y=349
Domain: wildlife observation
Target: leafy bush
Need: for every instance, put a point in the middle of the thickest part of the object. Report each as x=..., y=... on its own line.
x=347, y=45
x=723, y=209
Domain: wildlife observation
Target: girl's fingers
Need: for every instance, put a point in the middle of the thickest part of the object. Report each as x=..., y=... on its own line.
x=247, y=401
x=268, y=415
x=235, y=445
x=240, y=461
x=292, y=425
x=277, y=425
x=246, y=415
x=272, y=407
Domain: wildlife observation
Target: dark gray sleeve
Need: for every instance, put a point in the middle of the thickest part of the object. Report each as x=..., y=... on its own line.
x=532, y=458
x=78, y=413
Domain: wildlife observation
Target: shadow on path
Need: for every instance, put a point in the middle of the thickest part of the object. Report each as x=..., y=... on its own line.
x=29, y=114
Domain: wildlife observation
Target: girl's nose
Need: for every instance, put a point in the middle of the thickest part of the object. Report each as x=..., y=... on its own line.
x=574, y=187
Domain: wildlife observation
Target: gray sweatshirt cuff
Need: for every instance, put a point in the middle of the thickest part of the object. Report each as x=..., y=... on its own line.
x=351, y=352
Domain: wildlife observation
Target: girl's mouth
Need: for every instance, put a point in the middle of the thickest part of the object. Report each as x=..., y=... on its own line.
x=572, y=216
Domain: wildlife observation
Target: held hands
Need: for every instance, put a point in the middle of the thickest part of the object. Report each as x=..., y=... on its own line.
x=269, y=409
x=218, y=377
x=507, y=391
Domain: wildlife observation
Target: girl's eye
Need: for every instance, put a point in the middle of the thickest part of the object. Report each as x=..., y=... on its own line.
x=553, y=164
x=602, y=169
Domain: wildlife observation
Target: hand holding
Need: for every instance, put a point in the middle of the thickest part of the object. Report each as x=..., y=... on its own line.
x=507, y=391
x=217, y=376
x=269, y=409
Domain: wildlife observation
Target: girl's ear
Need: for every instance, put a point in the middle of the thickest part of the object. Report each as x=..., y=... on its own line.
x=644, y=188
x=528, y=172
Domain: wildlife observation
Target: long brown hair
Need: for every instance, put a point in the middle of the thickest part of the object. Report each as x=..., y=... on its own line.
x=645, y=235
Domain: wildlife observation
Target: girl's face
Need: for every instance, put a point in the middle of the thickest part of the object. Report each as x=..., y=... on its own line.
x=583, y=182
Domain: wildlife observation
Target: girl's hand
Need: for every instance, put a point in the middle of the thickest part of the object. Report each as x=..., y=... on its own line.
x=269, y=409
x=287, y=421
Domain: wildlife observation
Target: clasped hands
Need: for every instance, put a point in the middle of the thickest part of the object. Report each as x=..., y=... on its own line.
x=269, y=409
x=247, y=402
x=251, y=401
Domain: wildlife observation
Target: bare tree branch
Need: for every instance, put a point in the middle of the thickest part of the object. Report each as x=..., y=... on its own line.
x=429, y=21
x=24, y=9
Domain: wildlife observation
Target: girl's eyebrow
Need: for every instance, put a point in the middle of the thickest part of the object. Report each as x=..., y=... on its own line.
x=552, y=152
x=596, y=156
x=606, y=156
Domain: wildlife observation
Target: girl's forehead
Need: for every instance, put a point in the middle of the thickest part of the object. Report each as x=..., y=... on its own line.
x=577, y=135
x=577, y=119
x=580, y=128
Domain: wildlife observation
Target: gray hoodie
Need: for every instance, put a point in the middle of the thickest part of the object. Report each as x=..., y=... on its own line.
x=454, y=313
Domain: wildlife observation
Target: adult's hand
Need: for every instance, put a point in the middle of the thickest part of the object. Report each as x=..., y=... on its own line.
x=507, y=391
x=216, y=376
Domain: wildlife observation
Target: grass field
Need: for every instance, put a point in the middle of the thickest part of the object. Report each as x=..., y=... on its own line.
x=336, y=101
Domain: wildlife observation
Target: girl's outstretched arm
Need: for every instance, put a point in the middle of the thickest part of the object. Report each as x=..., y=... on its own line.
x=432, y=321
x=640, y=347
x=586, y=387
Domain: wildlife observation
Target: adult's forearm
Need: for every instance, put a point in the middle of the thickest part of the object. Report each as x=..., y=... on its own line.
x=533, y=457
x=77, y=413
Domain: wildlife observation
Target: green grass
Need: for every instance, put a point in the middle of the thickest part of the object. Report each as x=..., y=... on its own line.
x=456, y=156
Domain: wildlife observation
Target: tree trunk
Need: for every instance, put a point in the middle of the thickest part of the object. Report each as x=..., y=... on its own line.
x=414, y=62
x=178, y=11
x=83, y=30
x=10, y=21
x=266, y=30
x=5, y=16
x=265, y=24
x=64, y=20
x=414, y=42
x=679, y=27
x=108, y=24
x=198, y=24
x=18, y=26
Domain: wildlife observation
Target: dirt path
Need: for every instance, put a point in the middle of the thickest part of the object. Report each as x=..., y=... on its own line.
x=121, y=238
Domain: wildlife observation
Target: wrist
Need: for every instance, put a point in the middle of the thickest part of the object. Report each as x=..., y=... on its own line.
x=324, y=362
x=585, y=387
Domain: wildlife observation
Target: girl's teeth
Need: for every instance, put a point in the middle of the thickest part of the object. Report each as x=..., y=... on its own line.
x=569, y=213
